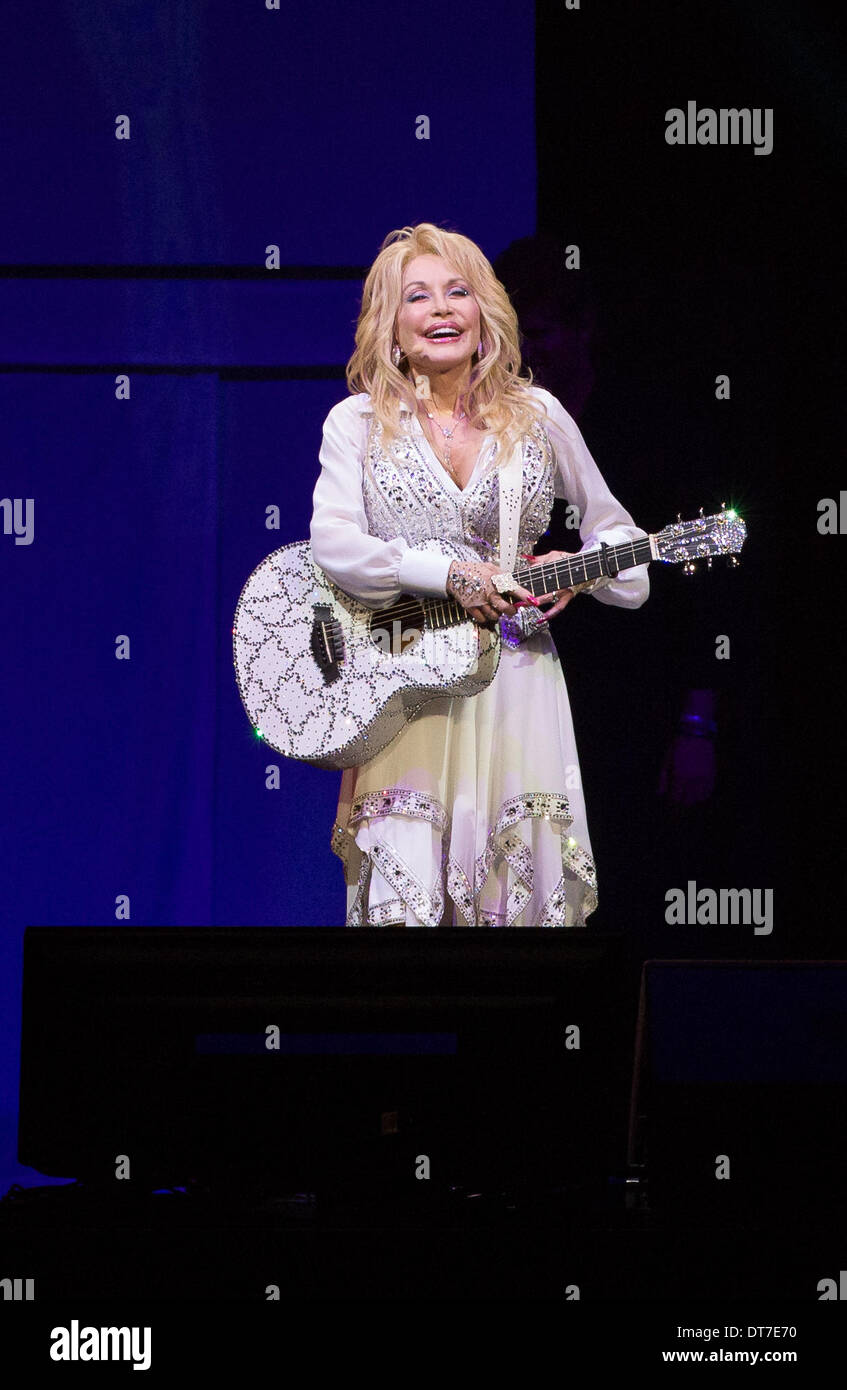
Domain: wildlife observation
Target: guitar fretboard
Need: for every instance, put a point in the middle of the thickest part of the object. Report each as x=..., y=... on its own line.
x=548, y=576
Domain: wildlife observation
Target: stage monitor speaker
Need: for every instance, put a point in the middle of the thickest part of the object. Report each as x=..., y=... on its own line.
x=300, y=1057
x=739, y=1089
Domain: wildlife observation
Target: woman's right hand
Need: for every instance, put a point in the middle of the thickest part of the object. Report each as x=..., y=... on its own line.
x=469, y=582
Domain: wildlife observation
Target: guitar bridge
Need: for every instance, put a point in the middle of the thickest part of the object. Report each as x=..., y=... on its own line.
x=326, y=642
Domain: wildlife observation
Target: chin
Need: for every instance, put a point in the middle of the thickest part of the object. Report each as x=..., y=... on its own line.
x=457, y=359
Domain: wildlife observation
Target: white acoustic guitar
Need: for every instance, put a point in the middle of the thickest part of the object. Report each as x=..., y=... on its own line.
x=331, y=682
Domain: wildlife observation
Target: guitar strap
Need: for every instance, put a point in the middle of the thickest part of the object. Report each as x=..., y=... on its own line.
x=511, y=488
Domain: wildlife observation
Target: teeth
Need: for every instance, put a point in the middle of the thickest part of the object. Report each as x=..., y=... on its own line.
x=444, y=333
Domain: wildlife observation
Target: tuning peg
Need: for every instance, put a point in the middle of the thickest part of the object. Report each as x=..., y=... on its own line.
x=689, y=567
x=734, y=561
x=723, y=506
x=701, y=511
x=709, y=563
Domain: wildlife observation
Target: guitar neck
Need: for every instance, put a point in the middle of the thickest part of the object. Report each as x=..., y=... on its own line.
x=545, y=577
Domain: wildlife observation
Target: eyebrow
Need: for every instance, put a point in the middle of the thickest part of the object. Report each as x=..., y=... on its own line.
x=457, y=279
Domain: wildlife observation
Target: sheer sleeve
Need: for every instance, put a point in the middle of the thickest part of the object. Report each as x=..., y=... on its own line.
x=372, y=570
x=602, y=518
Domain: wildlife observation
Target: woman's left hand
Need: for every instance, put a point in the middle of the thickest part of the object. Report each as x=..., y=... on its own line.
x=559, y=598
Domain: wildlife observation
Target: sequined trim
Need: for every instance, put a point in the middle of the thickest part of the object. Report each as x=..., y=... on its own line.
x=398, y=801
x=512, y=848
x=502, y=843
x=427, y=907
x=460, y=892
x=391, y=913
x=557, y=909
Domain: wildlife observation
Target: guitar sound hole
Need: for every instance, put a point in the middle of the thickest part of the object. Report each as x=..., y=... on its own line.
x=395, y=630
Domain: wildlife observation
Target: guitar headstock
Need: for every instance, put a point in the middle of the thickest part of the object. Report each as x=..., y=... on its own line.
x=723, y=533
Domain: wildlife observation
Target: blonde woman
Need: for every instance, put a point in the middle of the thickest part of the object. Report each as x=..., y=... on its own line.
x=474, y=815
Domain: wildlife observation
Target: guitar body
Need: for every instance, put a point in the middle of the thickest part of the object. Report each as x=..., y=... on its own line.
x=291, y=620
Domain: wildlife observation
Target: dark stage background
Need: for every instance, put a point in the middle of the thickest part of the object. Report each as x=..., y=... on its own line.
x=146, y=258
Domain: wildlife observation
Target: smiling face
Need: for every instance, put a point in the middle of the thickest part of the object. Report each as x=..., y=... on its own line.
x=438, y=321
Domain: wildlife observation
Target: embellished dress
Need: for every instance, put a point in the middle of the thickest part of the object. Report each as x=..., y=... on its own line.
x=474, y=814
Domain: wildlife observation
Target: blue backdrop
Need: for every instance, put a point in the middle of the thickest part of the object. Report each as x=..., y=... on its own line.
x=144, y=259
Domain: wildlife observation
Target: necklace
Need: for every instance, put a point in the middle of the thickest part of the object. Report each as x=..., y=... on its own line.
x=448, y=435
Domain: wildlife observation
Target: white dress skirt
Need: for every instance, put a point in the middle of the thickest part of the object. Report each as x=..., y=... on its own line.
x=474, y=815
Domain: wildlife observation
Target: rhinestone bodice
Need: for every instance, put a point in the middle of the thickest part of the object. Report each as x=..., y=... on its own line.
x=404, y=496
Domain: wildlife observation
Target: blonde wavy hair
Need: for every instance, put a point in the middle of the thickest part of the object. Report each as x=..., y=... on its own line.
x=499, y=400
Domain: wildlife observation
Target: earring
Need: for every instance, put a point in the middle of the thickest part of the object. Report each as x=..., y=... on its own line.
x=480, y=350
x=396, y=355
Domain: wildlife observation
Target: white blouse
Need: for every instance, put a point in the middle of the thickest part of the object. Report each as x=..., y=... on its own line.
x=376, y=571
